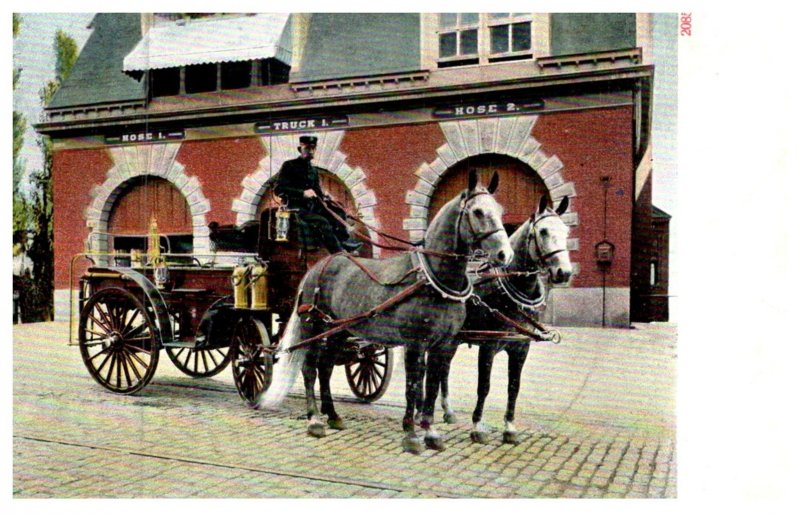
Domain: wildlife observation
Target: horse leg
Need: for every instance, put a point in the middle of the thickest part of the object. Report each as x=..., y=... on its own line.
x=326, y=362
x=480, y=433
x=516, y=360
x=315, y=427
x=436, y=358
x=449, y=414
x=411, y=442
x=420, y=389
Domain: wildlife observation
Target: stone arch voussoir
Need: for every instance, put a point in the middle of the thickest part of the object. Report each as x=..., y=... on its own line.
x=157, y=160
x=510, y=136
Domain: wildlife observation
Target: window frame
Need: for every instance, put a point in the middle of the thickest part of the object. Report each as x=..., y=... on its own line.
x=484, y=26
x=509, y=21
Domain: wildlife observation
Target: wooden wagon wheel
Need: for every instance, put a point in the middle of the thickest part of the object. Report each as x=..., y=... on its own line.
x=118, y=340
x=200, y=362
x=251, y=350
x=369, y=375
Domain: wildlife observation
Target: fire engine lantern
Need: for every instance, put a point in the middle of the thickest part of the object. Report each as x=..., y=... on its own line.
x=258, y=287
x=160, y=273
x=282, y=225
x=239, y=281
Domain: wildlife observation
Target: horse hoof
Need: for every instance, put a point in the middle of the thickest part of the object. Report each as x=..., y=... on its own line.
x=450, y=418
x=479, y=437
x=511, y=437
x=336, y=423
x=417, y=419
x=412, y=445
x=316, y=430
x=434, y=443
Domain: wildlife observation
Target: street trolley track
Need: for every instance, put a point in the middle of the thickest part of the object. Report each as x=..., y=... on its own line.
x=379, y=486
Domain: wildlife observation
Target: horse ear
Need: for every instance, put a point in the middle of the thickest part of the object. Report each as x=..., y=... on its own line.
x=543, y=203
x=562, y=206
x=493, y=183
x=473, y=179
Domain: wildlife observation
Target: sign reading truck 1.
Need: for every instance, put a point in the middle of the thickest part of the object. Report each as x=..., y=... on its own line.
x=487, y=109
x=302, y=124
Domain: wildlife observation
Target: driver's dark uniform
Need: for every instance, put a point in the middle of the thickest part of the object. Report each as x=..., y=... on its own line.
x=296, y=176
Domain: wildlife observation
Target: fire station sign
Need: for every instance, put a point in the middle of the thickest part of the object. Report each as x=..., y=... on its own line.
x=302, y=124
x=144, y=137
x=487, y=109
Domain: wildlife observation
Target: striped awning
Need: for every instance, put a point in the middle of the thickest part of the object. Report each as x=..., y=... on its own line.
x=213, y=40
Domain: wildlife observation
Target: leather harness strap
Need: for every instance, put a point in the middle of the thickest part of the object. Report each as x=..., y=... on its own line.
x=343, y=323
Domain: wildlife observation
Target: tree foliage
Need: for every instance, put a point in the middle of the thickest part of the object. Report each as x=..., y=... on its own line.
x=21, y=209
x=41, y=251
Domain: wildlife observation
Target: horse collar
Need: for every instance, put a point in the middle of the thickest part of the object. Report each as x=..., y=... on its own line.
x=437, y=285
x=519, y=297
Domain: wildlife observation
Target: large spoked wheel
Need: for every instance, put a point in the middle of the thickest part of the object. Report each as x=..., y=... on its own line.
x=251, y=350
x=118, y=341
x=202, y=362
x=369, y=375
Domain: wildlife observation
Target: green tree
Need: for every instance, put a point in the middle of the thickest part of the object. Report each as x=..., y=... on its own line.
x=21, y=208
x=41, y=253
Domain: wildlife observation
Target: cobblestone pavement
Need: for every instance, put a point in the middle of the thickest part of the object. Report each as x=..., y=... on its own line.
x=596, y=414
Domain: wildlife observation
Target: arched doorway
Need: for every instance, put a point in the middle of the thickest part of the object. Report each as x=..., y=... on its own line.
x=519, y=191
x=141, y=199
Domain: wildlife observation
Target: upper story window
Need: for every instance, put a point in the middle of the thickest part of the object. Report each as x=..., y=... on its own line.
x=473, y=38
x=202, y=78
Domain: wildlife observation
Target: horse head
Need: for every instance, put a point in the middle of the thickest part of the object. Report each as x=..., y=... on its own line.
x=480, y=224
x=547, y=240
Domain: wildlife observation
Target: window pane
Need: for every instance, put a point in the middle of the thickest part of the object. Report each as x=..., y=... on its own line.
x=521, y=36
x=499, y=39
x=201, y=77
x=447, y=20
x=447, y=44
x=469, y=42
x=495, y=16
x=469, y=18
x=236, y=74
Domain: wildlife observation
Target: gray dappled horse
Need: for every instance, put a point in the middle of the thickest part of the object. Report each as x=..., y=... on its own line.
x=540, y=248
x=422, y=321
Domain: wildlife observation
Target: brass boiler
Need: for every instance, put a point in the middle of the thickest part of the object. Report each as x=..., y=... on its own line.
x=258, y=286
x=250, y=286
x=239, y=282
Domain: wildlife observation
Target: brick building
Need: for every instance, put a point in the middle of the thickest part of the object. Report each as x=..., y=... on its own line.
x=186, y=119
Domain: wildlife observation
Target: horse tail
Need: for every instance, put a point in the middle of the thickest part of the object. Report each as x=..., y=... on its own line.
x=285, y=371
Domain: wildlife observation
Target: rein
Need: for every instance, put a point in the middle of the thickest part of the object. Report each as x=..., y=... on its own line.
x=428, y=278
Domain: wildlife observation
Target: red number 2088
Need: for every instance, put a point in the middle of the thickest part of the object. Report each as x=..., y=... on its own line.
x=686, y=24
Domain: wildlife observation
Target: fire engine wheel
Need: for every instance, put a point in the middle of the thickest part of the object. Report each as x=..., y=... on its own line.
x=202, y=362
x=118, y=340
x=369, y=375
x=252, y=354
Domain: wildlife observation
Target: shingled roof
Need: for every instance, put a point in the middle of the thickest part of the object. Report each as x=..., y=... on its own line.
x=97, y=77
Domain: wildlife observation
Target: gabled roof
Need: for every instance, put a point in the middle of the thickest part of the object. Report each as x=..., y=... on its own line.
x=359, y=44
x=658, y=213
x=214, y=40
x=97, y=76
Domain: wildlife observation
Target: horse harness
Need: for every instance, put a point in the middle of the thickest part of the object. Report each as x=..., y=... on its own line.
x=427, y=277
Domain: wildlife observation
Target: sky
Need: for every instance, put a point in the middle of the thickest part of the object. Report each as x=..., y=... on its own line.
x=33, y=52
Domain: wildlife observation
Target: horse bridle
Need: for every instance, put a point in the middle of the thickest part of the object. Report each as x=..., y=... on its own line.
x=477, y=238
x=543, y=258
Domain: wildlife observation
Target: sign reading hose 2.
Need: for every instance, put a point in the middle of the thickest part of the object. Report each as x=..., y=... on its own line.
x=488, y=109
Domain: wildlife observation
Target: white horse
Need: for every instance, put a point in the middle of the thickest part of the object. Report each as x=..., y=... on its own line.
x=433, y=286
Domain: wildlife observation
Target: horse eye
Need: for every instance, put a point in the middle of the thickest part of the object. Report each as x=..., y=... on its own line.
x=479, y=213
x=544, y=233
